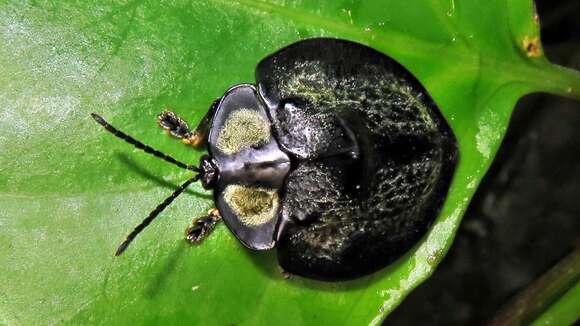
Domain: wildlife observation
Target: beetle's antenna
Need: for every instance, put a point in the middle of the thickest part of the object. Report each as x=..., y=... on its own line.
x=140, y=145
x=153, y=215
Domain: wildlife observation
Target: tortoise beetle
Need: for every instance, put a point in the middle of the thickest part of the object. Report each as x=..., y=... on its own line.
x=337, y=157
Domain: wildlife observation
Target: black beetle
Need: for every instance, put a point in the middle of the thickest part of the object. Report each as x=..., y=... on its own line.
x=338, y=157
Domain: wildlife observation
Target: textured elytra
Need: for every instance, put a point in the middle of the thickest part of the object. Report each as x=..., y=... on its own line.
x=373, y=157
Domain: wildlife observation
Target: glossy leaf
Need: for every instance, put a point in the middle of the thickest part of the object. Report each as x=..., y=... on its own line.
x=71, y=192
x=565, y=311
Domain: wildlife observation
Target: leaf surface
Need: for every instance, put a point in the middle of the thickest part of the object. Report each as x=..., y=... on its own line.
x=70, y=192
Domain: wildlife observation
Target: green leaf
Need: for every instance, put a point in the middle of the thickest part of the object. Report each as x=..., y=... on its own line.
x=565, y=311
x=71, y=192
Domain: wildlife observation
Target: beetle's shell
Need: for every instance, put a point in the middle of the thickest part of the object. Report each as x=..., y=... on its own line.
x=372, y=157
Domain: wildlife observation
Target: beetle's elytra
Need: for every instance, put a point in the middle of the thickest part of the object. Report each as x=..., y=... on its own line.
x=337, y=157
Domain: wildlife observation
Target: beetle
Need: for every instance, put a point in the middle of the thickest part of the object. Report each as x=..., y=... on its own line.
x=337, y=157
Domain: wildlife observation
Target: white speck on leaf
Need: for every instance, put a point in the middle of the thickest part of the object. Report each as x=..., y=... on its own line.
x=488, y=135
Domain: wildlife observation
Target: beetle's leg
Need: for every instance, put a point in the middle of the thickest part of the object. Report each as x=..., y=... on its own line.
x=285, y=274
x=201, y=227
x=199, y=137
x=179, y=128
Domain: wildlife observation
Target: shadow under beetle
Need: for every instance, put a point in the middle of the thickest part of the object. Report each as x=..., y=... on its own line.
x=337, y=157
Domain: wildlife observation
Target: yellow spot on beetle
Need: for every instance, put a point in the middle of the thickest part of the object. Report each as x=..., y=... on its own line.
x=254, y=206
x=244, y=128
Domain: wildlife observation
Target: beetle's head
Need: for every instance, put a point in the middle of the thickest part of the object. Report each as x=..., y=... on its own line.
x=208, y=172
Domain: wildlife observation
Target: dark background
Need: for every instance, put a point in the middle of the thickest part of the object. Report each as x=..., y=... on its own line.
x=525, y=215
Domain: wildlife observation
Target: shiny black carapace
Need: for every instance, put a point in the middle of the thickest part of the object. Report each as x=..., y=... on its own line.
x=337, y=157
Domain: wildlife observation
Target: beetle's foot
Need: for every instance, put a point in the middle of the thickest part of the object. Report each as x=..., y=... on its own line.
x=285, y=274
x=176, y=126
x=198, y=138
x=201, y=227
